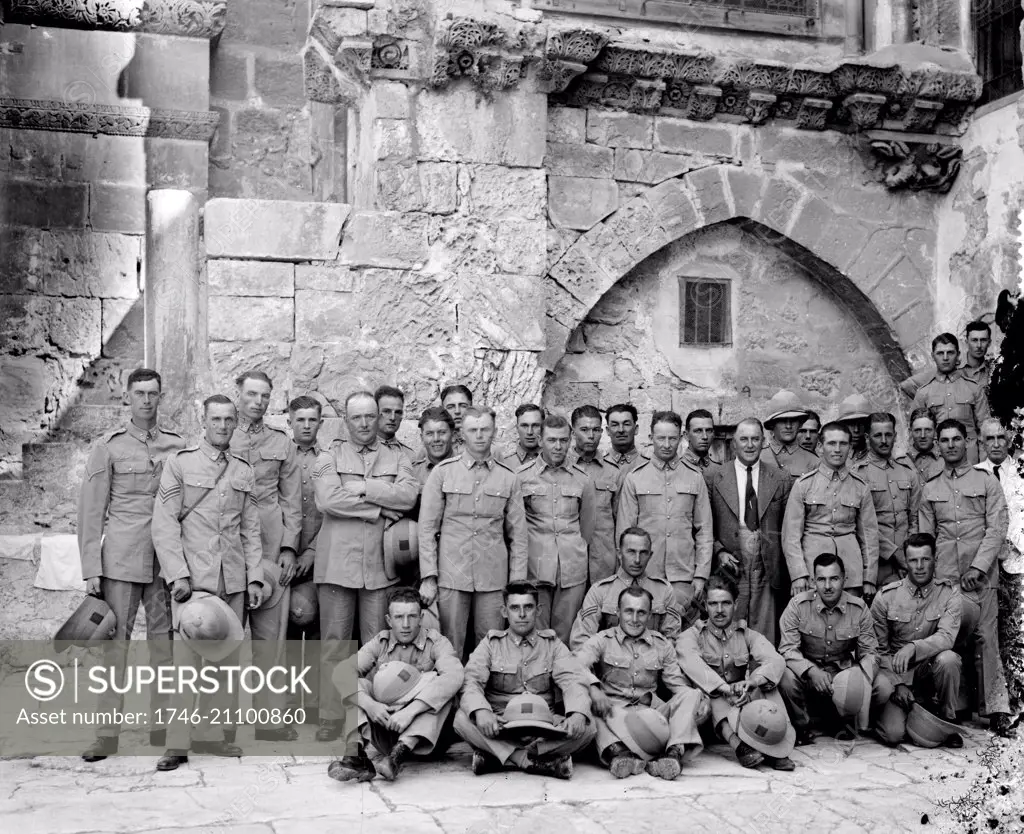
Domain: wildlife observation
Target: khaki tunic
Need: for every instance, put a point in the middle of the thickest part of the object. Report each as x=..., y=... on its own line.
x=604, y=477
x=600, y=608
x=312, y=518
x=711, y=657
x=517, y=457
x=793, y=458
x=630, y=669
x=115, y=506
x=896, y=493
x=627, y=461
x=956, y=397
x=429, y=652
x=928, y=464
x=688, y=456
x=832, y=639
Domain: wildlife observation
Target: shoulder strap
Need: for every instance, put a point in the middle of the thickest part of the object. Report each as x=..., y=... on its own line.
x=188, y=510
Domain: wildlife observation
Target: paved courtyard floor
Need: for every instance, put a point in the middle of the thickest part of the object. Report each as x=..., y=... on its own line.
x=837, y=788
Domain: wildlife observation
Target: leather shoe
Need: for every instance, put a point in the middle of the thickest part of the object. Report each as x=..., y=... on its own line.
x=216, y=748
x=999, y=723
x=276, y=734
x=100, y=749
x=748, y=756
x=329, y=731
x=391, y=765
x=626, y=765
x=667, y=768
x=785, y=763
x=560, y=768
x=351, y=769
x=482, y=764
x=171, y=759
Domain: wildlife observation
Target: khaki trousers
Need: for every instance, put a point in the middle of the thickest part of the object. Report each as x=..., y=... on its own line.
x=506, y=744
x=685, y=713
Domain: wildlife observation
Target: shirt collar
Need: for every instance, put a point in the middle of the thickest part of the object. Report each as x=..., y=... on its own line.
x=488, y=462
x=544, y=466
x=840, y=606
x=880, y=462
x=931, y=453
x=779, y=447
x=210, y=452
x=916, y=591
x=249, y=427
x=530, y=639
x=724, y=634
x=740, y=467
x=661, y=464
x=309, y=450
x=142, y=434
x=369, y=447
x=623, y=457
x=829, y=473
x=420, y=642
x=578, y=458
x=627, y=579
x=622, y=637
x=692, y=457
x=959, y=471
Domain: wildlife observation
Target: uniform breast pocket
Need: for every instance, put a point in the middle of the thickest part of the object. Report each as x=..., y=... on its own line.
x=239, y=492
x=538, y=676
x=494, y=499
x=846, y=638
x=901, y=500
x=812, y=636
x=814, y=506
x=535, y=497
x=736, y=666
x=616, y=672
x=648, y=670
x=269, y=462
x=385, y=472
x=686, y=494
x=898, y=617
x=882, y=499
x=133, y=476
x=195, y=487
x=605, y=492
x=501, y=681
x=569, y=498
x=651, y=500
x=457, y=498
x=846, y=512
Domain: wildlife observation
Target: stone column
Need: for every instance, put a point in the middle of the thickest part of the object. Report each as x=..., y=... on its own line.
x=175, y=304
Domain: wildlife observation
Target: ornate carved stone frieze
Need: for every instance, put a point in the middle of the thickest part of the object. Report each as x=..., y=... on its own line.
x=917, y=165
x=567, y=54
x=638, y=95
x=494, y=56
x=389, y=53
x=109, y=119
x=864, y=109
x=190, y=18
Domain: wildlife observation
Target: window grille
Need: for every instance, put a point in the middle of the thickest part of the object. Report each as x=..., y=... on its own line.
x=704, y=311
x=997, y=45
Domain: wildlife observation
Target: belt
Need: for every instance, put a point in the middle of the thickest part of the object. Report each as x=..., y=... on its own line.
x=831, y=534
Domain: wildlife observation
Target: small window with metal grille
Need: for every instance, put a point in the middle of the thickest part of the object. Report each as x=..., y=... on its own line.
x=704, y=311
x=997, y=46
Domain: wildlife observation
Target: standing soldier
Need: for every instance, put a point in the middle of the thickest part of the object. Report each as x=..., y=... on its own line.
x=436, y=431
x=669, y=500
x=206, y=531
x=560, y=505
x=809, y=433
x=391, y=407
x=785, y=416
x=360, y=485
x=896, y=493
x=700, y=434
x=586, y=430
x=854, y=412
x=830, y=511
x=950, y=395
x=529, y=416
x=964, y=508
x=472, y=534
x=622, y=425
x=924, y=453
x=115, y=511
x=976, y=367
x=455, y=399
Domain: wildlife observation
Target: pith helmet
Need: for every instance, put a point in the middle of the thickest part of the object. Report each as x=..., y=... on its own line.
x=785, y=405
x=273, y=590
x=643, y=730
x=529, y=710
x=927, y=730
x=401, y=546
x=851, y=693
x=92, y=620
x=209, y=626
x=765, y=727
x=854, y=407
x=397, y=681
x=303, y=605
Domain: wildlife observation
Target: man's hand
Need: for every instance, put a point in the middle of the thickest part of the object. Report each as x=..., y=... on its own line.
x=486, y=722
x=728, y=561
x=903, y=658
x=428, y=591
x=799, y=586
x=869, y=590
x=181, y=589
x=286, y=561
x=304, y=564
x=255, y=595
x=575, y=725
x=902, y=696
x=600, y=703
x=400, y=720
x=698, y=589
x=377, y=712
x=390, y=515
x=972, y=579
x=93, y=587
x=820, y=681
x=742, y=691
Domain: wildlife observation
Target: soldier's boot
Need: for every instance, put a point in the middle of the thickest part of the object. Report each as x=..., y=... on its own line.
x=356, y=768
x=483, y=764
x=747, y=755
x=171, y=760
x=100, y=749
x=668, y=766
x=560, y=768
x=623, y=763
x=391, y=765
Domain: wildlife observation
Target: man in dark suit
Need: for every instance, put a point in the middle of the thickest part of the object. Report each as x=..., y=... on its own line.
x=748, y=499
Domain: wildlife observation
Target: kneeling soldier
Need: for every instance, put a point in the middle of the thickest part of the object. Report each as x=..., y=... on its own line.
x=632, y=663
x=518, y=661
x=739, y=670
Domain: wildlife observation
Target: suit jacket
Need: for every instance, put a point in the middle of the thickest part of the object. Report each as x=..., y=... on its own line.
x=772, y=493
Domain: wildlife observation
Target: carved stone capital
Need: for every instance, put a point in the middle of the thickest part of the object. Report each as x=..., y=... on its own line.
x=812, y=113
x=108, y=119
x=703, y=102
x=494, y=56
x=580, y=46
x=864, y=109
x=759, y=106
x=190, y=18
x=555, y=76
x=915, y=165
x=635, y=95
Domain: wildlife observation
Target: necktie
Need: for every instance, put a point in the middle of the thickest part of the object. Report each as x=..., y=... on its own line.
x=995, y=471
x=750, y=502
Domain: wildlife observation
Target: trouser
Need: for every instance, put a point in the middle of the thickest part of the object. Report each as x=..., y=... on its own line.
x=756, y=600
x=503, y=747
x=303, y=649
x=268, y=627
x=558, y=607
x=720, y=707
x=686, y=711
x=181, y=733
x=688, y=607
x=805, y=705
x=454, y=609
x=124, y=599
x=337, y=620
x=423, y=732
x=979, y=630
x=938, y=676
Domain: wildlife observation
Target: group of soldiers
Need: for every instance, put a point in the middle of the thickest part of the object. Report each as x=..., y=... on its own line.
x=554, y=595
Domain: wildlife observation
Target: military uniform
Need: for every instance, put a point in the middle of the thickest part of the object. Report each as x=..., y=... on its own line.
x=965, y=509
x=830, y=639
x=626, y=462
x=928, y=464
x=630, y=670
x=670, y=501
x=504, y=665
x=831, y=511
x=692, y=459
x=605, y=479
x=516, y=457
x=561, y=509
x=957, y=397
x=929, y=618
x=600, y=609
x=794, y=458
x=473, y=539
x=896, y=494
x=115, y=542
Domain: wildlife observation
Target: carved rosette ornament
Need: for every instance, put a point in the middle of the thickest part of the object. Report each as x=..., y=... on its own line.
x=108, y=119
x=918, y=166
x=188, y=18
x=495, y=57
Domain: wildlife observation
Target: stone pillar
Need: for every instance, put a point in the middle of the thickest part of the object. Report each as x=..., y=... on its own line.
x=175, y=305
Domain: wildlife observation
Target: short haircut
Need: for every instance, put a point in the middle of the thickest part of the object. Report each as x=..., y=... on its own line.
x=988, y=421
x=303, y=402
x=456, y=389
x=699, y=414
x=637, y=593
x=520, y=588
x=881, y=417
x=436, y=414
x=666, y=417
x=721, y=582
x=628, y=408
x=589, y=411
x=404, y=594
x=257, y=375
x=357, y=394
x=553, y=421
x=388, y=391
x=479, y=411
x=946, y=339
x=751, y=421
x=918, y=413
x=144, y=375
x=834, y=426
x=977, y=325
x=823, y=560
x=951, y=424
x=635, y=531
x=217, y=399
x=920, y=540
x=526, y=408
x=812, y=415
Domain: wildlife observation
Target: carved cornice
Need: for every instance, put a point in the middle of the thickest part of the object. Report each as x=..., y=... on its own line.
x=112, y=120
x=916, y=165
x=190, y=18
x=494, y=57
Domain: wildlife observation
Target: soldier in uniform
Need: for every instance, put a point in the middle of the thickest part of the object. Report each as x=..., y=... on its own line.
x=513, y=661
x=700, y=434
x=601, y=605
x=924, y=453
x=529, y=417
x=950, y=395
x=627, y=665
x=825, y=631
x=830, y=511
x=809, y=433
x=436, y=431
x=976, y=366
x=586, y=430
x=896, y=493
x=854, y=413
x=391, y=407
x=965, y=509
x=455, y=399
x=916, y=623
x=785, y=416
x=206, y=531
x=360, y=485
x=621, y=422
x=393, y=731
x=115, y=542
x=472, y=535
x=733, y=665
x=669, y=500
x=561, y=509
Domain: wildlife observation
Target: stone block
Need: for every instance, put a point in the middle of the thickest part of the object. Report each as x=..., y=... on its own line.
x=324, y=277
x=635, y=226
x=810, y=224
x=673, y=208
x=118, y=208
x=391, y=98
x=388, y=239
x=229, y=73
x=279, y=81
x=578, y=281
x=746, y=190
x=325, y=317
x=682, y=136
x=408, y=308
x=495, y=192
x=438, y=184
x=252, y=278
x=242, y=319
x=567, y=124
x=778, y=207
x=653, y=167
x=175, y=163
x=393, y=139
x=522, y=246
x=123, y=328
x=44, y=205
x=397, y=187
x=579, y=203
x=275, y=230
x=458, y=124
x=229, y=359
x=564, y=159
x=711, y=194
x=505, y=312
x=35, y=154
x=281, y=25
x=620, y=130
x=103, y=158
x=30, y=323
